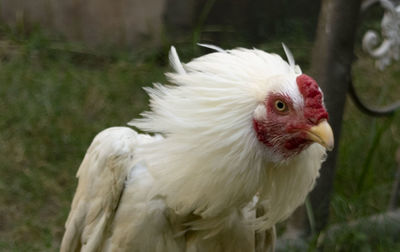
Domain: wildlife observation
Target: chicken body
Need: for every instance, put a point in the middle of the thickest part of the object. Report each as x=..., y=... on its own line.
x=240, y=130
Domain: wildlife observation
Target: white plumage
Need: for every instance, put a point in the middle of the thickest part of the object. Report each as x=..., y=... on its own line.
x=195, y=186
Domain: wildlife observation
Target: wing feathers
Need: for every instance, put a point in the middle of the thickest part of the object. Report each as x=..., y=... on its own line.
x=101, y=182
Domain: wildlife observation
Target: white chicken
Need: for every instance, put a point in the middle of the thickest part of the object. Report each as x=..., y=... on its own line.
x=239, y=130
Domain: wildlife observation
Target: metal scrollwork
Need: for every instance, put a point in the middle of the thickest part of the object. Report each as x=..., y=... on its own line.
x=384, y=53
x=388, y=50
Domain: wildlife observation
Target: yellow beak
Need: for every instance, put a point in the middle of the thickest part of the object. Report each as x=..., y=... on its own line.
x=322, y=134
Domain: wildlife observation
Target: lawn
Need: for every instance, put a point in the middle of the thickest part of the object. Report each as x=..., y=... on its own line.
x=53, y=101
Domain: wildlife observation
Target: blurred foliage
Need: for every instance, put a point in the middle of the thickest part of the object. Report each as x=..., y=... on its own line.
x=56, y=96
x=241, y=22
x=52, y=103
x=257, y=21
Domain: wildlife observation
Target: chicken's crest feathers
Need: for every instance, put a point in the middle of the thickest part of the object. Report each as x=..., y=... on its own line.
x=175, y=62
x=289, y=55
x=212, y=47
x=221, y=85
x=290, y=59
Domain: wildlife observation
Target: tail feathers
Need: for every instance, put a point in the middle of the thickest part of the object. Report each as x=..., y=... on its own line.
x=175, y=62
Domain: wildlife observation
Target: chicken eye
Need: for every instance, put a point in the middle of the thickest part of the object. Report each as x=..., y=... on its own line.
x=280, y=106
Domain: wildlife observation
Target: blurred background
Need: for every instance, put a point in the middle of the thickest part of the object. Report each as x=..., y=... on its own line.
x=69, y=69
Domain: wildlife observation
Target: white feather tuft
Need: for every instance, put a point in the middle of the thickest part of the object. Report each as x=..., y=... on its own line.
x=289, y=56
x=175, y=62
x=296, y=69
x=212, y=47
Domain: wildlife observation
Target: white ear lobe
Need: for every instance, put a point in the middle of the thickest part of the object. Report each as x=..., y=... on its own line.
x=260, y=113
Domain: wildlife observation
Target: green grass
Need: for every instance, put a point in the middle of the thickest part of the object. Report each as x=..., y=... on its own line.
x=360, y=134
x=51, y=106
x=53, y=101
x=366, y=164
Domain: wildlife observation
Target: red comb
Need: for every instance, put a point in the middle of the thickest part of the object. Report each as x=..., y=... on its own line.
x=314, y=108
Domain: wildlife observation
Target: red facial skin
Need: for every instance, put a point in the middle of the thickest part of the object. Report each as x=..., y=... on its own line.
x=284, y=132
